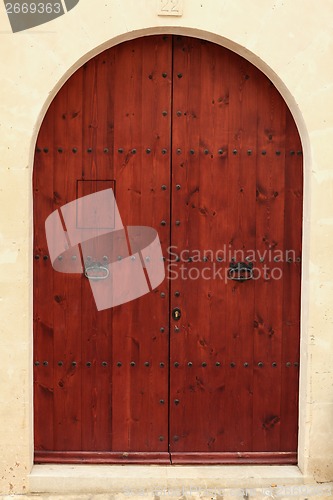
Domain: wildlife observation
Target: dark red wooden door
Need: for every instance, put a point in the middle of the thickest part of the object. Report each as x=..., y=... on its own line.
x=199, y=145
x=235, y=351
x=100, y=376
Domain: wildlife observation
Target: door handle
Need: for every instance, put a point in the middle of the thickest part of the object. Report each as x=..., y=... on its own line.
x=97, y=272
x=240, y=271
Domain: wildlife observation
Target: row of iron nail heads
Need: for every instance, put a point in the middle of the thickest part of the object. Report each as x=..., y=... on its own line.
x=164, y=151
x=147, y=364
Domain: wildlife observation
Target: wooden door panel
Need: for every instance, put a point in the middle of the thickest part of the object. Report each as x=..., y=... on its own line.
x=112, y=123
x=230, y=163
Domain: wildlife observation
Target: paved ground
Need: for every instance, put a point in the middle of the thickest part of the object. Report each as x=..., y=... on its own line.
x=302, y=492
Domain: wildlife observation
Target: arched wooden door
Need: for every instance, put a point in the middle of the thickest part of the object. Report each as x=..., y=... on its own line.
x=197, y=143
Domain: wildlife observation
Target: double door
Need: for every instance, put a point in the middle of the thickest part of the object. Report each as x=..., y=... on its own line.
x=197, y=143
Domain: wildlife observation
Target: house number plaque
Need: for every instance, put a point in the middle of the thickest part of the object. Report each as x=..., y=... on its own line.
x=170, y=8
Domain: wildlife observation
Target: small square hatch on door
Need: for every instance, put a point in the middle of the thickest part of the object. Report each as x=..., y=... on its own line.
x=87, y=216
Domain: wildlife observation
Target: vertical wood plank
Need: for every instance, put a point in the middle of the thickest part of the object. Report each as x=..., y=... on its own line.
x=240, y=239
x=96, y=329
x=43, y=289
x=292, y=287
x=142, y=100
x=207, y=126
x=270, y=221
x=66, y=294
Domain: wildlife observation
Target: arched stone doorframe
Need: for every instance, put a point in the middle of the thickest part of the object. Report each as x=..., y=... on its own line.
x=304, y=407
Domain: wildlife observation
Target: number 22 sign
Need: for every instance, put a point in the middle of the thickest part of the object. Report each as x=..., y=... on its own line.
x=170, y=7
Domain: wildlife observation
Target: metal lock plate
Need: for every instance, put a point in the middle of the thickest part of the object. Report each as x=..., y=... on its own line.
x=240, y=271
x=176, y=314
